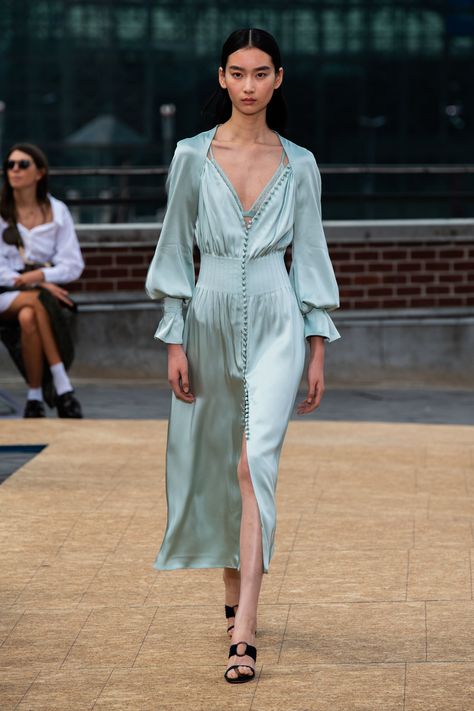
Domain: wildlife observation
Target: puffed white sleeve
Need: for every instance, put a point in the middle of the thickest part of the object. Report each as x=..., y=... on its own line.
x=67, y=260
x=311, y=272
x=171, y=275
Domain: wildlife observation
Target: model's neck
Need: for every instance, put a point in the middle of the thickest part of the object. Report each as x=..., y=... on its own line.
x=246, y=129
x=25, y=197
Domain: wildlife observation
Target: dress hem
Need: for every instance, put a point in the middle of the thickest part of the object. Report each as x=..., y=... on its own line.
x=181, y=562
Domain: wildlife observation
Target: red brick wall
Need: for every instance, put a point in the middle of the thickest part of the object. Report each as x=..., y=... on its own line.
x=373, y=275
x=114, y=268
x=404, y=275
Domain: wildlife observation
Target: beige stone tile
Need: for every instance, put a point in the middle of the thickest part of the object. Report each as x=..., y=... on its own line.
x=453, y=507
x=120, y=582
x=294, y=499
x=111, y=636
x=450, y=628
x=272, y=581
x=345, y=576
x=379, y=478
x=143, y=528
x=372, y=687
x=431, y=533
x=204, y=627
x=41, y=638
x=286, y=528
x=14, y=683
x=61, y=581
x=344, y=531
x=69, y=689
x=442, y=481
x=200, y=688
x=197, y=586
x=24, y=530
x=97, y=531
x=16, y=571
x=355, y=633
x=439, y=687
x=439, y=573
x=367, y=504
x=8, y=620
x=131, y=551
x=469, y=473
x=149, y=498
x=449, y=455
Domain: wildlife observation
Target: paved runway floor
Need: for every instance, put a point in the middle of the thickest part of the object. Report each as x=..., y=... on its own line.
x=368, y=604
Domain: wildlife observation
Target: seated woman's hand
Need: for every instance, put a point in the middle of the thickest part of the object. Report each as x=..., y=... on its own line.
x=29, y=278
x=57, y=291
x=178, y=372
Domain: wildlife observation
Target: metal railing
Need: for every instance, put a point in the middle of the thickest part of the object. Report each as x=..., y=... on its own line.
x=368, y=190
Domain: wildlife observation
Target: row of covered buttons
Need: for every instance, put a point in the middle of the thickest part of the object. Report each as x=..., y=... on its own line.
x=245, y=329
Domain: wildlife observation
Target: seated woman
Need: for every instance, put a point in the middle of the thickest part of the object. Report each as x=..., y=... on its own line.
x=39, y=250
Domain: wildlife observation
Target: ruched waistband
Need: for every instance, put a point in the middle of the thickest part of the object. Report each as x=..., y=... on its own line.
x=262, y=274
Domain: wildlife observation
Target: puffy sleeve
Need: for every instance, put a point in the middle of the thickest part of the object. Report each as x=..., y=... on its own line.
x=67, y=260
x=311, y=273
x=171, y=272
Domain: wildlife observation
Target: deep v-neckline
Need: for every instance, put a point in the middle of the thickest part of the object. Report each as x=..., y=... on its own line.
x=230, y=185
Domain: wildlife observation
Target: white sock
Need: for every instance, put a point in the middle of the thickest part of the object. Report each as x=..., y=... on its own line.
x=35, y=394
x=60, y=378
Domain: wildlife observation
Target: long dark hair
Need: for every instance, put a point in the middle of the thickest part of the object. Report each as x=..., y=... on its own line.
x=7, y=198
x=219, y=106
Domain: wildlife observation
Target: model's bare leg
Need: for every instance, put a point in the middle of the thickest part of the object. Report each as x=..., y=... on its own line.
x=251, y=566
x=231, y=577
x=48, y=344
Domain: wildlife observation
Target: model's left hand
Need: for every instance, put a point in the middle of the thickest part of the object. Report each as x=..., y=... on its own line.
x=33, y=277
x=315, y=377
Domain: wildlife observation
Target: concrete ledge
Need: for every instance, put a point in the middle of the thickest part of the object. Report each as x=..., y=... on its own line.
x=116, y=339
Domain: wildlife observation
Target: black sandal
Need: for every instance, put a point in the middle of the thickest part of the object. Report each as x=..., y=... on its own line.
x=230, y=612
x=249, y=651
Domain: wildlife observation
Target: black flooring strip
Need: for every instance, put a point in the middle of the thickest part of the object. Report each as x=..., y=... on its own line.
x=14, y=456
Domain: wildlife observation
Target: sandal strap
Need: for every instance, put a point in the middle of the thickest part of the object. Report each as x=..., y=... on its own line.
x=249, y=651
x=229, y=610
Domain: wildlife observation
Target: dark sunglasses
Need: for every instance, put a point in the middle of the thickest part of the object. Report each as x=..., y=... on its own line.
x=23, y=164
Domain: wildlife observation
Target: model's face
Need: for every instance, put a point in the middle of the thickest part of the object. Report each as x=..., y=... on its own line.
x=250, y=78
x=22, y=171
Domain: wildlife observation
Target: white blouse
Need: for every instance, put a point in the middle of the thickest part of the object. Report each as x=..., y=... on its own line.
x=54, y=242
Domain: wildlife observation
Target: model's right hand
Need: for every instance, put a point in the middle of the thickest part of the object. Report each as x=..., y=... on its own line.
x=178, y=372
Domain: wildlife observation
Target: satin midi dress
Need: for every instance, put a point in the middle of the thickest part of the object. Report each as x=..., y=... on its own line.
x=244, y=336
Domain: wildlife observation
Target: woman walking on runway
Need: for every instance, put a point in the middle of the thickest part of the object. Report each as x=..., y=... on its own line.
x=244, y=193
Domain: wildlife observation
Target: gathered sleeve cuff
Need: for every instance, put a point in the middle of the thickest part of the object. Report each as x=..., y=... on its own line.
x=317, y=322
x=170, y=328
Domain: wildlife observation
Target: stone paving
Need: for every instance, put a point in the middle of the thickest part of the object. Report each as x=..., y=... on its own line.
x=367, y=606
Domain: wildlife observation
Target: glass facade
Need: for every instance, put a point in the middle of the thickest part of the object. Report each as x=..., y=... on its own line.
x=366, y=80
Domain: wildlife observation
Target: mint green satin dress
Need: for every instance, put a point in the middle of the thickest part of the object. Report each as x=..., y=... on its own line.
x=244, y=335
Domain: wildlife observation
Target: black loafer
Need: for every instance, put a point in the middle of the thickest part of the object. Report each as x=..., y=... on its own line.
x=68, y=405
x=34, y=408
